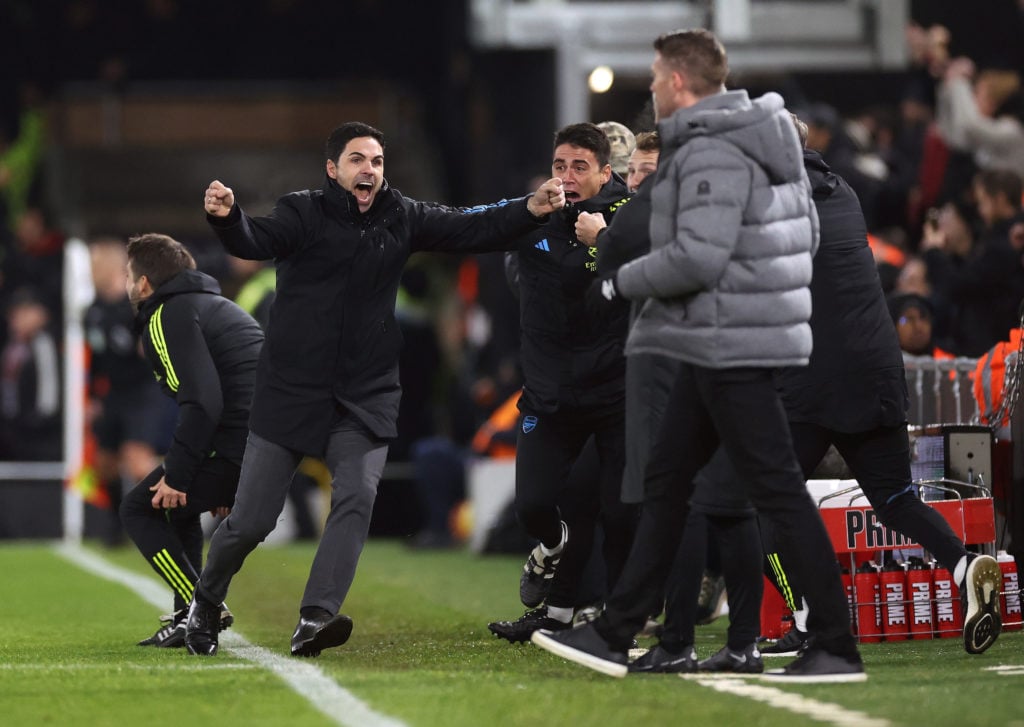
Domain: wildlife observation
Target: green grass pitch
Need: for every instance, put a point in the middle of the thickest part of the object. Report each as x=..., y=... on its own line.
x=420, y=654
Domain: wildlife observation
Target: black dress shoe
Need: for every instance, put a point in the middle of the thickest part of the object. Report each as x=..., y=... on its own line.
x=313, y=635
x=201, y=628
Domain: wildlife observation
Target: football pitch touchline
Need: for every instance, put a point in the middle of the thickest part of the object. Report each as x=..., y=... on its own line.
x=308, y=681
x=821, y=711
x=191, y=666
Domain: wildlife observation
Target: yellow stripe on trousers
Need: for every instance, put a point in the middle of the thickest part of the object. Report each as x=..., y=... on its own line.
x=780, y=576
x=173, y=574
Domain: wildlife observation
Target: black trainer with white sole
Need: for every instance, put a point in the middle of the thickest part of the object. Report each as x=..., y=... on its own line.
x=817, y=666
x=585, y=647
x=793, y=643
x=980, y=598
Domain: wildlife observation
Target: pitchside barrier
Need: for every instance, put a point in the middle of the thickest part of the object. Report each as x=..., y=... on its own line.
x=895, y=590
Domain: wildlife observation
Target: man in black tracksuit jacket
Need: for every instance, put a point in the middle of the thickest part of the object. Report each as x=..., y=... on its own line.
x=853, y=394
x=203, y=350
x=574, y=374
x=327, y=380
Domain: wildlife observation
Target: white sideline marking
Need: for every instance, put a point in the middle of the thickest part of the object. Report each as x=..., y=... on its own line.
x=191, y=666
x=1007, y=670
x=327, y=696
x=821, y=711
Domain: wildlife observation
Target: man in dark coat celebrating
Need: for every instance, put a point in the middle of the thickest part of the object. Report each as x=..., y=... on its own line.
x=327, y=381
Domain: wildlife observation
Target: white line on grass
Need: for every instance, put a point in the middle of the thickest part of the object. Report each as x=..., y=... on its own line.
x=189, y=666
x=326, y=695
x=821, y=711
x=1007, y=670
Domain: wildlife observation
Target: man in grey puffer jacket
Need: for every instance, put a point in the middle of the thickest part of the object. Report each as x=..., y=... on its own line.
x=733, y=228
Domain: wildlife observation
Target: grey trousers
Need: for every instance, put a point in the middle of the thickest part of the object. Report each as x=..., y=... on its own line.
x=355, y=458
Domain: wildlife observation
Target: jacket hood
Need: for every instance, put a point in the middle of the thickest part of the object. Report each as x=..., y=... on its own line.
x=187, y=281
x=823, y=181
x=752, y=125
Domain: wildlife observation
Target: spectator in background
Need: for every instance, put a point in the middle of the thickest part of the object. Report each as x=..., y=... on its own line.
x=37, y=261
x=20, y=156
x=983, y=118
x=827, y=134
x=30, y=383
x=912, y=315
x=985, y=288
x=128, y=413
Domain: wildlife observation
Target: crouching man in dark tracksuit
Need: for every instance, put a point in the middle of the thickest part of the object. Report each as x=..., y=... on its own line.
x=203, y=349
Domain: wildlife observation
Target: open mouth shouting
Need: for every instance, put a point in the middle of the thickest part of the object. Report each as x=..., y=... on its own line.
x=364, y=189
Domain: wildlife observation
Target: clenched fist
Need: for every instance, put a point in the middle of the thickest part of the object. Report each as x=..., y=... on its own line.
x=219, y=199
x=549, y=197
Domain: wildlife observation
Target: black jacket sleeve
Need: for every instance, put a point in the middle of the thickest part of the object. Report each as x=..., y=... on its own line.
x=189, y=372
x=476, y=229
x=262, y=238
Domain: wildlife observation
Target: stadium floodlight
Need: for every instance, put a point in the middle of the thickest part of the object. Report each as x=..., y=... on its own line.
x=601, y=79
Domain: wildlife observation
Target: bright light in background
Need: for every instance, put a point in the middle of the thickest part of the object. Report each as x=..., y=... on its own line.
x=601, y=79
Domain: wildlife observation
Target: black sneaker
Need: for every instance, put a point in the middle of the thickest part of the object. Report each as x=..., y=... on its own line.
x=817, y=666
x=171, y=635
x=793, y=643
x=539, y=569
x=712, y=599
x=313, y=635
x=979, y=597
x=202, y=627
x=523, y=627
x=659, y=661
x=584, y=646
x=747, y=661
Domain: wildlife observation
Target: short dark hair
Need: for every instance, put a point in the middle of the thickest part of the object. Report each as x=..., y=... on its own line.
x=697, y=53
x=345, y=133
x=1001, y=181
x=158, y=257
x=648, y=141
x=586, y=136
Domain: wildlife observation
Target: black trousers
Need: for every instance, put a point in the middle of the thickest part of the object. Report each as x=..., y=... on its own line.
x=738, y=542
x=739, y=409
x=879, y=460
x=171, y=541
x=550, y=487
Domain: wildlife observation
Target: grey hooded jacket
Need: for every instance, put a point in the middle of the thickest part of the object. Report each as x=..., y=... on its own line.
x=733, y=229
